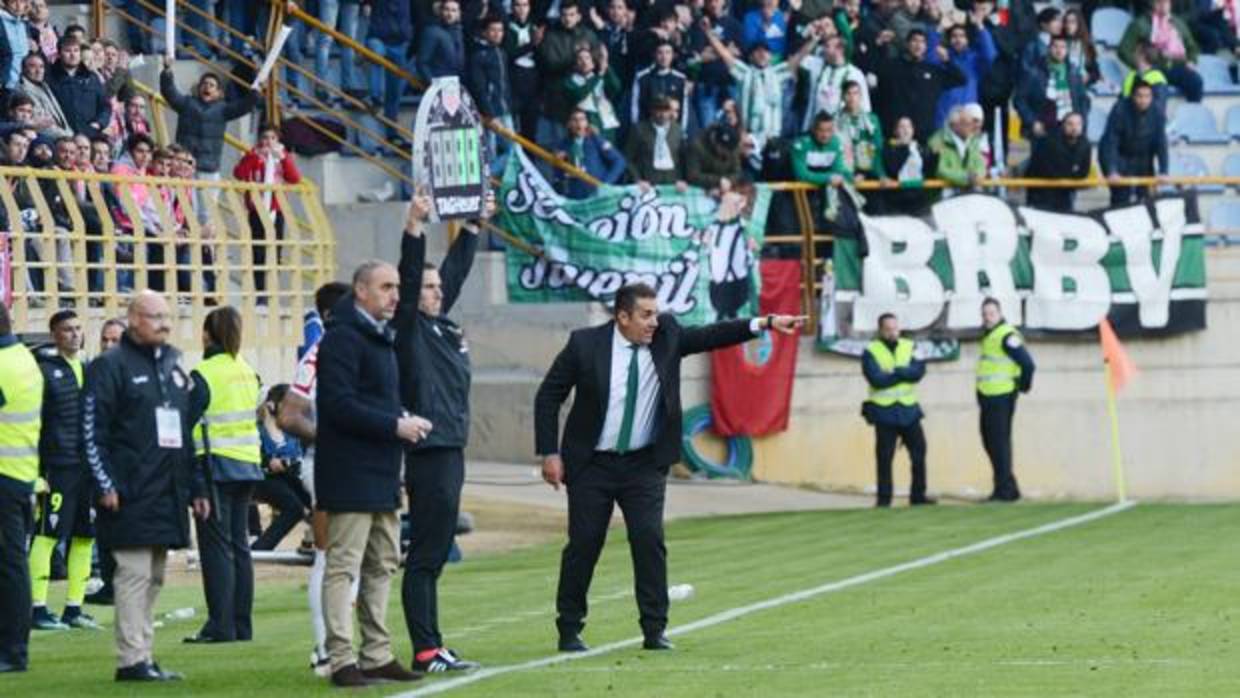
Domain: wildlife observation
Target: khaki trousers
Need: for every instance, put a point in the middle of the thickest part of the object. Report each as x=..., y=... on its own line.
x=138, y=579
x=361, y=546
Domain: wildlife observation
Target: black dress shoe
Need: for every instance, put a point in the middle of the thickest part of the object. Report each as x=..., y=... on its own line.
x=882, y=504
x=573, y=643
x=7, y=667
x=141, y=671
x=657, y=642
x=922, y=501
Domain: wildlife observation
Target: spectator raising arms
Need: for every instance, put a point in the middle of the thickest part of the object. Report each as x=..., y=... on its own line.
x=911, y=86
x=202, y=119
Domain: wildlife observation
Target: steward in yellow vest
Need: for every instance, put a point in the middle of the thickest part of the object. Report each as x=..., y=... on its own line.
x=1004, y=367
x=893, y=373
x=21, y=403
x=223, y=406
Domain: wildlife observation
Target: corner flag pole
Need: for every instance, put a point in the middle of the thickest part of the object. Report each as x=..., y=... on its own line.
x=1117, y=457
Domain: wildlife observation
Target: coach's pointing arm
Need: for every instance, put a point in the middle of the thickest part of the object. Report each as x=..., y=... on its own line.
x=695, y=340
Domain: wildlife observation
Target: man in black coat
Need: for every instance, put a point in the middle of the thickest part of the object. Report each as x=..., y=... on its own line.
x=1135, y=136
x=80, y=92
x=360, y=436
x=1061, y=154
x=136, y=434
x=911, y=86
x=622, y=435
x=202, y=118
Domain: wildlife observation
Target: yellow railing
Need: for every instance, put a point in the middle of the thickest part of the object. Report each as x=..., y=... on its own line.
x=78, y=240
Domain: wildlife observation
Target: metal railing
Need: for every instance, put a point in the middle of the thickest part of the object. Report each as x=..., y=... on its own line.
x=87, y=240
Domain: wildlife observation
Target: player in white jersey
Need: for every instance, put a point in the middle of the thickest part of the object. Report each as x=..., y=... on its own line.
x=297, y=417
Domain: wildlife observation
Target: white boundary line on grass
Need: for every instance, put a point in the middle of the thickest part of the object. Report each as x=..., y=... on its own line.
x=775, y=602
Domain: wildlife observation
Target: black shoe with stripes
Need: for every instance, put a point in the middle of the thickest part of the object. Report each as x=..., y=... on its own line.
x=443, y=660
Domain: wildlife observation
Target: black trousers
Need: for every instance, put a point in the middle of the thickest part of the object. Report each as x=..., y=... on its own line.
x=15, y=601
x=433, y=480
x=996, y=426
x=258, y=236
x=227, y=570
x=885, y=450
x=282, y=494
x=632, y=481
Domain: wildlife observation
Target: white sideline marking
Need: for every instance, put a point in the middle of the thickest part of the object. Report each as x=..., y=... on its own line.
x=740, y=611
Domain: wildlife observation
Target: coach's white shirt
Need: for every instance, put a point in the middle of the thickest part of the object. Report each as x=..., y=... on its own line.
x=647, y=395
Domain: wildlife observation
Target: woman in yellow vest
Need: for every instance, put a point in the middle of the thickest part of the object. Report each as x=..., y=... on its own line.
x=226, y=395
x=1003, y=367
x=893, y=373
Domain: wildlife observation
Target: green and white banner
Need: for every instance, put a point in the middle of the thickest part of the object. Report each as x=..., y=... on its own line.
x=699, y=253
x=1141, y=266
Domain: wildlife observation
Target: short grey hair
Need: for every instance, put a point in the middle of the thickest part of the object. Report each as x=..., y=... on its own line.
x=366, y=269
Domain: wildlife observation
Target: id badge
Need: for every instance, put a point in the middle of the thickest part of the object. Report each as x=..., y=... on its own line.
x=168, y=426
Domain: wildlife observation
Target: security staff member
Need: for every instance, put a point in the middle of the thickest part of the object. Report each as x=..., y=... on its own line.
x=1003, y=367
x=227, y=449
x=136, y=434
x=893, y=372
x=65, y=510
x=434, y=379
x=21, y=402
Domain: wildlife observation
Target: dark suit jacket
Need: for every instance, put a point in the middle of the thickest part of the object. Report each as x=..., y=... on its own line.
x=585, y=365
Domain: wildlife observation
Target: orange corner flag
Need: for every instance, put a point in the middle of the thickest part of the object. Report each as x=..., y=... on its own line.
x=1116, y=357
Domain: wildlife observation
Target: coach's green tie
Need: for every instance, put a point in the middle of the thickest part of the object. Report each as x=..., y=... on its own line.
x=630, y=404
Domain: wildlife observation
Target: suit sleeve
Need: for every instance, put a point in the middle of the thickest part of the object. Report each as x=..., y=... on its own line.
x=560, y=380
x=337, y=399
x=455, y=267
x=695, y=340
x=100, y=400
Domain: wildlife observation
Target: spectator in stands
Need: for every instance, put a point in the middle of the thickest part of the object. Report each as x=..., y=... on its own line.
x=1049, y=90
x=877, y=39
x=958, y=146
x=20, y=115
x=972, y=50
x=341, y=15
x=911, y=86
x=43, y=36
x=1135, y=136
x=100, y=154
x=79, y=91
x=16, y=43
x=489, y=84
x=766, y=25
x=655, y=148
x=133, y=121
x=117, y=81
x=133, y=163
x=588, y=152
x=521, y=39
x=1144, y=71
x=1050, y=23
x=1174, y=48
x=267, y=163
x=713, y=160
x=593, y=88
x=915, y=15
x=442, y=49
x=48, y=116
x=910, y=164
x=825, y=75
x=818, y=156
x=188, y=203
x=615, y=35
x=391, y=30
x=861, y=134
x=655, y=24
x=660, y=80
x=557, y=57
x=1082, y=54
x=1216, y=25
x=713, y=83
x=1061, y=154
x=202, y=119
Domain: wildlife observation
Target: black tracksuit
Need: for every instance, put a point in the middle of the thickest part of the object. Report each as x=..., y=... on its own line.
x=1133, y=140
x=60, y=451
x=912, y=88
x=434, y=379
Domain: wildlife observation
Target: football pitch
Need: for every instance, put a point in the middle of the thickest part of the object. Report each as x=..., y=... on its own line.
x=1025, y=600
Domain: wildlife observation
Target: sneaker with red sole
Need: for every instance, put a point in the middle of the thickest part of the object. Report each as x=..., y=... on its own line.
x=443, y=660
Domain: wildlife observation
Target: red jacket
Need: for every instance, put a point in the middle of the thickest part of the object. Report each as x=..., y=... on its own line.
x=251, y=169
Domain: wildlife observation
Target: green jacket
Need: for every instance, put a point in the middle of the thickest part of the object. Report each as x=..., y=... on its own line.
x=705, y=166
x=815, y=163
x=639, y=154
x=575, y=93
x=863, y=139
x=1141, y=27
x=953, y=167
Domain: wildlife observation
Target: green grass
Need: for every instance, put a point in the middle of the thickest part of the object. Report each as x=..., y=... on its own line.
x=1140, y=603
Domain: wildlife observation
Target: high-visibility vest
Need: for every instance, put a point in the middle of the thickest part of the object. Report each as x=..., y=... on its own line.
x=21, y=415
x=903, y=393
x=997, y=373
x=230, y=420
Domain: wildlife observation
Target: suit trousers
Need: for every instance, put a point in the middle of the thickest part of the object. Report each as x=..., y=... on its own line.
x=227, y=569
x=365, y=546
x=996, y=426
x=139, y=577
x=433, y=480
x=886, y=436
x=632, y=481
x=15, y=511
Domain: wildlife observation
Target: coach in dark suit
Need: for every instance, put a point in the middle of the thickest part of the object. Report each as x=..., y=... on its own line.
x=622, y=435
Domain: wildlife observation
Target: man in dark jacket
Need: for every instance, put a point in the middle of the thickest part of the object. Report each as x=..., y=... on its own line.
x=654, y=151
x=1049, y=90
x=591, y=153
x=622, y=434
x=1135, y=136
x=557, y=54
x=1061, y=154
x=488, y=72
x=911, y=86
x=202, y=119
x=391, y=30
x=442, y=52
x=360, y=436
x=79, y=91
x=135, y=430
x=434, y=380
x=713, y=160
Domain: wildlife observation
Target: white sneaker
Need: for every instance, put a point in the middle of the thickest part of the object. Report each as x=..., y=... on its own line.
x=387, y=192
x=320, y=664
